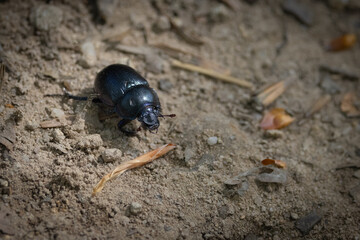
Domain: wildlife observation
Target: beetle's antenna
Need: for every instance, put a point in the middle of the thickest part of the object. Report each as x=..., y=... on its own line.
x=169, y=115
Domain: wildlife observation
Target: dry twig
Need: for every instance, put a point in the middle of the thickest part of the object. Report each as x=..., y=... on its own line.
x=211, y=73
x=137, y=162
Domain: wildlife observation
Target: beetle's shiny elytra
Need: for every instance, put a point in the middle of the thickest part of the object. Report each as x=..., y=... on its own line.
x=121, y=87
x=129, y=95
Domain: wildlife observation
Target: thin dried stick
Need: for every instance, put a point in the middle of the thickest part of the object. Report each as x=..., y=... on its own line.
x=211, y=73
x=137, y=162
x=117, y=37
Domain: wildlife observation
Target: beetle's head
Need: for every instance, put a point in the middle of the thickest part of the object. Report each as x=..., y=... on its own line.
x=149, y=118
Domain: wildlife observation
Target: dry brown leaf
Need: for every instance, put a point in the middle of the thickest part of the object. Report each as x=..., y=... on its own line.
x=9, y=105
x=342, y=43
x=277, y=163
x=272, y=92
x=348, y=105
x=276, y=118
x=137, y=162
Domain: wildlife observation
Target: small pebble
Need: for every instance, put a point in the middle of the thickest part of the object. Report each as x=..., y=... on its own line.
x=302, y=12
x=188, y=154
x=294, y=216
x=106, y=9
x=31, y=126
x=90, y=141
x=306, y=223
x=78, y=125
x=57, y=113
x=162, y=24
x=124, y=220
x=51, y=73
x=58, y=135
x=111, y=155
x=88, y=58
x=212, y=141
x=355, y=193
x=219, y=13
x=4, y=183
x=46, y=17
x=134, y=209
x=329, y=85
x=357, y=174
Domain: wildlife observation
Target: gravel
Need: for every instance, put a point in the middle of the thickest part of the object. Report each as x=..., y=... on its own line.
x=212, y=141
x=111, y=155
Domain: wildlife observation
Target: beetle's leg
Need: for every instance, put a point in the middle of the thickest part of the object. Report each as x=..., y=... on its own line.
x=68, y=95
x=96, y=100
x=121, y=125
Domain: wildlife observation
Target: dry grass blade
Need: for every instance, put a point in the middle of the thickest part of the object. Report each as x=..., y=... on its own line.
x=271, y=93
x=200, y=61
x=171, y=50
x=137, y=162
x=117, y=37
x=319, y=104
x=211, y=73
x=132, y=49
x=58, y=122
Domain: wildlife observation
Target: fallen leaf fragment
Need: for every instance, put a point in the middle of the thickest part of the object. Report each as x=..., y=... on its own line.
x=9, y=105
x=276, y=118
x=277, y=163
x=137, y=162
x=272, y=92
x=342, y=43
x=348, y=105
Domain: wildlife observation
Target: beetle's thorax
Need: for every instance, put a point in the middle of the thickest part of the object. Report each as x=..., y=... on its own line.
x=135, y=101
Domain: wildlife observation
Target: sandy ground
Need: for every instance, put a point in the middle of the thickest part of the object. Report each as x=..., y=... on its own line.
x=47, y=174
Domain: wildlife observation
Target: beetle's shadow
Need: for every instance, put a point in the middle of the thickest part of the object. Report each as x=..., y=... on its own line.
x=101, y=119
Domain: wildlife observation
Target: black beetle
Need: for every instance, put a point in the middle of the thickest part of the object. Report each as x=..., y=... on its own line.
x=128, y=94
